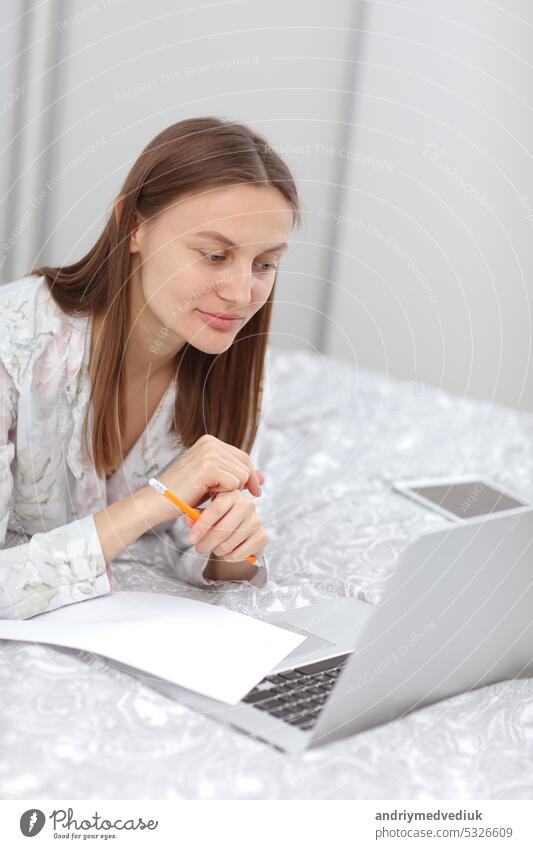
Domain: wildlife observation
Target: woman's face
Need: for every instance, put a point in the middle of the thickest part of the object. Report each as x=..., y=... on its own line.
x=210, y=253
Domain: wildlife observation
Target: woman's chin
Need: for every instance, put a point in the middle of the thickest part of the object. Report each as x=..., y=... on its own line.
x=209, y=344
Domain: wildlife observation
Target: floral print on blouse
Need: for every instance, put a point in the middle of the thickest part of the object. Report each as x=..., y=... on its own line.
x=50, y=551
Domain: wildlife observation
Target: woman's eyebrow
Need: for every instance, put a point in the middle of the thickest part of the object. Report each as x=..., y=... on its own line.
x=212, y=234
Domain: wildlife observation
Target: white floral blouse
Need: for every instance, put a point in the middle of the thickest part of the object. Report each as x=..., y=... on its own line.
x=49, y=488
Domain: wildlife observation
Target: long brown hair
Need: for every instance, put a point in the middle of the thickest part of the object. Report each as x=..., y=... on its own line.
x=217, y=394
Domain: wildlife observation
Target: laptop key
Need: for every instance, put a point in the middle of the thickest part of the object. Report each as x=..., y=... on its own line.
x=275, y=679
x=314, y=690
x=290, y=674
x=298, y=705
x=314, y=703
x=289, y=685
x=286, y=713
x=297, y=692
x=280, y=713
x=257, y=696
x=284, y=700
x=268, y=704
x=299, y=721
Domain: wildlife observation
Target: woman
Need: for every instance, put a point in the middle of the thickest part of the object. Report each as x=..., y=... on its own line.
x=116, y=368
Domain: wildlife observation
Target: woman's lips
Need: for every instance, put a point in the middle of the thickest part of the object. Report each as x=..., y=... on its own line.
x=219, y=323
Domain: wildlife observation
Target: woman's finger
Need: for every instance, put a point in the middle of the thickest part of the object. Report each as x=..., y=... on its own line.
x=210, y=515
x=240, y=513
x=253, y=483
x=226, y=526
x=241, y=533
x=240, y=470
x=223, y=479
x=255, y=544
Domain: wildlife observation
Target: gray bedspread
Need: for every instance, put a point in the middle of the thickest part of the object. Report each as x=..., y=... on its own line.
x=74, y=726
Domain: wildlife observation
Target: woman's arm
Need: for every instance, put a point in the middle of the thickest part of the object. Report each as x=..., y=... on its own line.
x=68, y=563
x=208, y=568
x=51, y=569
x=202, y=569
x=126, y=520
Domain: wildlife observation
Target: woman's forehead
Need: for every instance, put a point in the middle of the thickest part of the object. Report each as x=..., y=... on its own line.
x=230, y=210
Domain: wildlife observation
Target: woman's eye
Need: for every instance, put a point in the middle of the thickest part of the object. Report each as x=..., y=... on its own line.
x=269, y=266
x=215, y=259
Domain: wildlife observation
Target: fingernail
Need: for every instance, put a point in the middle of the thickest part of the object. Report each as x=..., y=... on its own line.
x=194, y=535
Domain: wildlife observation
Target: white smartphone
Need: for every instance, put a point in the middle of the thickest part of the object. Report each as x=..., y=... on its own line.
x=462, y=498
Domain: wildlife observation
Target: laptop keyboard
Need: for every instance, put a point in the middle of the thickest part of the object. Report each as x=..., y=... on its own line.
x=298, y=695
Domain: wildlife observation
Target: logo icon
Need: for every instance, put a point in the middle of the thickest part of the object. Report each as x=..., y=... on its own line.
x=31, y=822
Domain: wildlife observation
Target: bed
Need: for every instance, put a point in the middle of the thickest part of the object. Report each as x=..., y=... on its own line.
x=74, y=726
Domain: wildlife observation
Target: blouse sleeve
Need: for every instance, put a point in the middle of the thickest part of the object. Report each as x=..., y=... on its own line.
x=189, y=564
x=54, y=568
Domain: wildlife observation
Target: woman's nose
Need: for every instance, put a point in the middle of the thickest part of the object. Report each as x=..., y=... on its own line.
x=237, y=286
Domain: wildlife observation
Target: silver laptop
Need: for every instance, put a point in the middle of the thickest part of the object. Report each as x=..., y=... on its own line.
x=457, y=614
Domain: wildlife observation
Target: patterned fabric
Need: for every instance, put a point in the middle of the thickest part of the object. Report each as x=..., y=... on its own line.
x=73, y=725
x=49, y=490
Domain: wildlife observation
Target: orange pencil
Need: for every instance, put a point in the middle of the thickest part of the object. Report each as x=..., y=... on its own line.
x=191, y=512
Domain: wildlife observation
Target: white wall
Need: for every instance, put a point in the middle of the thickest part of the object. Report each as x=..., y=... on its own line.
x=125, y=70
x=427, y=276
x=433, y=270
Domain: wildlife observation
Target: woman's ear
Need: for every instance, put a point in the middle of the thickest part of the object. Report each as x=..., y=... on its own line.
x=134, y=240
x=137, y=221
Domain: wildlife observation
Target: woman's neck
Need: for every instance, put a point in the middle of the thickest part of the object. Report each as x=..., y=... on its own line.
x=140, y=365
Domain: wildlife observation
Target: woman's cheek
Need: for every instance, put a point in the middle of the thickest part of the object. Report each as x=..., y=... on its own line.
x=262, y=294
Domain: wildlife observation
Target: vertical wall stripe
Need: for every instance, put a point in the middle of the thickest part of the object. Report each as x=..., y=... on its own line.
x=337, y=195
x=34, y=130
x=12, y=203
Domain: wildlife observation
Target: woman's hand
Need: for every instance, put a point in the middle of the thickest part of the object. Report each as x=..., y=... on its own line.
x=208, y=466
x=229, y=528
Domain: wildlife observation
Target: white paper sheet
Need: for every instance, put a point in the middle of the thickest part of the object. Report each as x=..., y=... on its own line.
x=205, y=648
